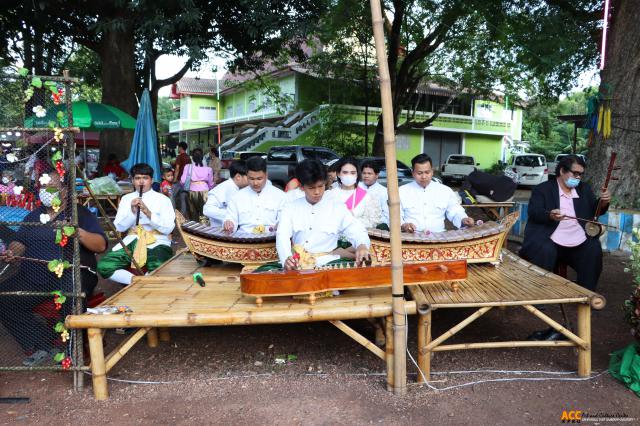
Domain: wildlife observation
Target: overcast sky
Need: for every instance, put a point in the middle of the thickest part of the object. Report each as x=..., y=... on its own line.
x=168, y=65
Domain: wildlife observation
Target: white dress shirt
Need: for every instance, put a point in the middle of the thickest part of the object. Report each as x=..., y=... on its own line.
x=317, y=227
x=162, y=218
x=293, y=195
x=380, y=193
x=427, y=207
x=216, y=206
x=248, y=209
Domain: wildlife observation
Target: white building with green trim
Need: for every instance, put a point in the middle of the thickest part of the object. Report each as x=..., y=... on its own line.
x=242, y=117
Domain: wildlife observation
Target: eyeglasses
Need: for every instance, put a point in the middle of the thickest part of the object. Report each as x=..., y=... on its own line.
x=576, y=173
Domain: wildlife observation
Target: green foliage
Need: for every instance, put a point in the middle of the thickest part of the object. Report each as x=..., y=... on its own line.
x=335, y=132
x=85, y=65
x=632, y=305
x=166, y=113
x=549, y=136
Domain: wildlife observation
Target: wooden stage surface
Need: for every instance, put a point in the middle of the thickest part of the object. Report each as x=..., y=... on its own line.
x=170, y=298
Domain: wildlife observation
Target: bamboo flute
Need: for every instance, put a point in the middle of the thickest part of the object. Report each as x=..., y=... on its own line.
x=397, y=286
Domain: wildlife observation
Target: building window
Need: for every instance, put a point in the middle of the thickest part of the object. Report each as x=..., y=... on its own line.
x=252, y=107
x=207, y=113
x=184, y=111
x=239, y=110
x=229, y=112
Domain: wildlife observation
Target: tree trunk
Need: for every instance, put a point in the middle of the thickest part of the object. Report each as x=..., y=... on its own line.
x=117, y=56
x=620, y=81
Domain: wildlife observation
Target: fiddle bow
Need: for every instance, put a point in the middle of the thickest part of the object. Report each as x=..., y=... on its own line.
x=594, y=228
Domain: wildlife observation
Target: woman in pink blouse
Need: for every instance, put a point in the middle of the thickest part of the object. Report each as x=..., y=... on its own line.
x=200, y=179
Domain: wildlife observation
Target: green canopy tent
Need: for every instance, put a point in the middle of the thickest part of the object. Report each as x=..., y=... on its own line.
x=88, y=116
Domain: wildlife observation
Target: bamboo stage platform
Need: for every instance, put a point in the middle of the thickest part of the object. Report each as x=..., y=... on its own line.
x=170, y=298
x=514, y=282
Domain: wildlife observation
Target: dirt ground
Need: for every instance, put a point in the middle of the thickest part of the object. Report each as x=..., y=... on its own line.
x=229, y=375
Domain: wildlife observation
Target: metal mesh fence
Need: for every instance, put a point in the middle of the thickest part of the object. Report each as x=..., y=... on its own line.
x=41, y=280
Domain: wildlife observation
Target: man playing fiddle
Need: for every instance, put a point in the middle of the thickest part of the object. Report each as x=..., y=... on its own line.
x=551, y=235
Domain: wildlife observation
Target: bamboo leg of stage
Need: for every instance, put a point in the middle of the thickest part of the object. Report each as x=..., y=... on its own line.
x=124, y=347
x=165, y=335
x=388, y=326
x=557, y=326
x=453, y=330
x=584, y=331
x=152, y=337
x=360, y=339
x=424, y=338
x=98, y=371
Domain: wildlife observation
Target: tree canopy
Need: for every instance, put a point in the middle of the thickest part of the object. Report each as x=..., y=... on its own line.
x=535, y=48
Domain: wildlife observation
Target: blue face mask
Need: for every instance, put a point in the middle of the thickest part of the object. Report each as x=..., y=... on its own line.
x=572, y=182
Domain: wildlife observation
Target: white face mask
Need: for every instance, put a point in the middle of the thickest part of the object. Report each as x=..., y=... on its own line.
x=348, y=180
x=46, y=198
x=5, y=180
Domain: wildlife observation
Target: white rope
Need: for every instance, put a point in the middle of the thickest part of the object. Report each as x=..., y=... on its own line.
x=506, y=379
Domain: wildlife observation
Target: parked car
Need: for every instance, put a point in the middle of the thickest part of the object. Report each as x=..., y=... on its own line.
x=281, y=158
x=551, y=165
x=457, y=167
x=530, y=168
x=404, y=172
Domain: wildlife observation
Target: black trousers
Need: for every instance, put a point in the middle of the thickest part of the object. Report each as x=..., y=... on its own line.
x=585, y=259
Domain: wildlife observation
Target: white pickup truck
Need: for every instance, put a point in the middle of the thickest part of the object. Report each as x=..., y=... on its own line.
x=551, y=165
x=457, y=167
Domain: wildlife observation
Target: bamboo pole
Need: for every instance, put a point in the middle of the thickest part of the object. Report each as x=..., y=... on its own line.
x=360, y=339
x=557, y=326
x=241, y=316
x=453, y=330
x=98, y=371
x=152, y=337
x=124, y=347
x=584, y=331
x=165, y=335
x=424, y=338
x=388, y=326
x=399, y=325
x=506, y=344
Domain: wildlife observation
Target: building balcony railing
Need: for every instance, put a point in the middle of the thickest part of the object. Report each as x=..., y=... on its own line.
x=188, y=124
x=445, y=122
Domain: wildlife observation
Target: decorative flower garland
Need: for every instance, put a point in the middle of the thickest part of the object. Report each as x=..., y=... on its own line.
x=27, y=200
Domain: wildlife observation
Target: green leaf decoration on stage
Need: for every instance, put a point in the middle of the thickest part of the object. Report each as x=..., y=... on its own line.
x=36, y=82
x=23, y=72
x=59, y=357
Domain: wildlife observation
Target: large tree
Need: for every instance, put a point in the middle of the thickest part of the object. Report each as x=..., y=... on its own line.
x=533, y=46
x=620, y=85
x=129, y=36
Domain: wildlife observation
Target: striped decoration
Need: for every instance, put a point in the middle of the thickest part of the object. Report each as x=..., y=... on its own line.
x=611, y=240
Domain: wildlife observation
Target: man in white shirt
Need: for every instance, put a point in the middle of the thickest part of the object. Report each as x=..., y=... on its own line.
x=425, y=203
x=315, y=222
x=255, y=208
x=150, y=242
x=370, y=172
x=219, y=197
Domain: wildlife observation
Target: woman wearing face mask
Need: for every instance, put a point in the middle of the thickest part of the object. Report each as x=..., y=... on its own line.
x=551, y=236
x=361, y=205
